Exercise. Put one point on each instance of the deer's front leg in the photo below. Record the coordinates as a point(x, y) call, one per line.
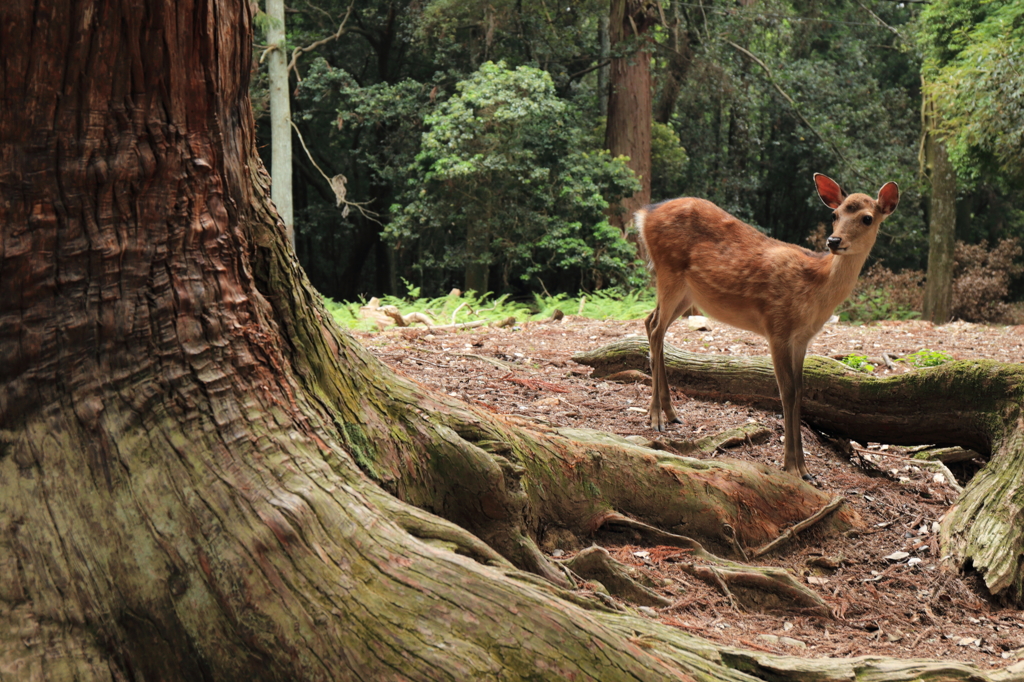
point(789, 366)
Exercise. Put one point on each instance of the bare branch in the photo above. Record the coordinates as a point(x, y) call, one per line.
point(309, 48)
point(792, 103)
point(359, 206)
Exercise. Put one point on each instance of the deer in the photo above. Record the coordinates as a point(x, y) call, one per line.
point(702, 256)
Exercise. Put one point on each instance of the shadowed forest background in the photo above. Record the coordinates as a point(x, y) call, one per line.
point(473, 138)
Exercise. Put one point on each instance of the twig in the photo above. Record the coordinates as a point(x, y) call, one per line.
point(793, 531)
point(725, 589)
point(534, 384)
point(368, 214)
point(879, 20)
point(730, 533)
point(929, 464)
point(483, 358)
point(461, 306)
point(337, 34)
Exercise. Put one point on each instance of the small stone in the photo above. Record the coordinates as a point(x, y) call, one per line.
point(792, 643)
point(698, 323)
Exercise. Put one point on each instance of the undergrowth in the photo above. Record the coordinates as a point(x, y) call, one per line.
point(460, 308)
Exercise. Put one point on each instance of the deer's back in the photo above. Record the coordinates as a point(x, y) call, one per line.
point(735, 273)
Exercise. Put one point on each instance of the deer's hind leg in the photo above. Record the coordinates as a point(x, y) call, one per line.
point(673, 299)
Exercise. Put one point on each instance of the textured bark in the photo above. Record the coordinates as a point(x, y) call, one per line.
point(972, 404)
point(628, 130)
point(938, 289)
point(185, 434)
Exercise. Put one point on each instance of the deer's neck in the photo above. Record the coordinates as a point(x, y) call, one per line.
point(842, 277)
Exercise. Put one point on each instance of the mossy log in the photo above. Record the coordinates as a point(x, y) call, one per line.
point(973, 404)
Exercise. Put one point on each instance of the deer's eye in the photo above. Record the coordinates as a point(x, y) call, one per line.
point(835, 216)
point(866, 220)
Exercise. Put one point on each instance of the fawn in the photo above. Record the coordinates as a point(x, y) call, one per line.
point(703, 256)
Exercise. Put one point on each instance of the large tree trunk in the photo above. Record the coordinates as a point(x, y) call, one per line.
point(974, 404)
point(628, 129)
point(186, 437)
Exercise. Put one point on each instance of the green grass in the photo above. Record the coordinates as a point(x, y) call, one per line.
point(610, 304)
point(927, 358)
point(858, 362)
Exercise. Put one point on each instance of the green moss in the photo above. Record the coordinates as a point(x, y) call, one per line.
point(361, 449)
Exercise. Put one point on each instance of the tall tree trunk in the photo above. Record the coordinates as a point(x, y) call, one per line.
point(628, 129)
point(186, 438)
point(679, 62)
point(938, 290)
point(603, 72)
point(280, 118)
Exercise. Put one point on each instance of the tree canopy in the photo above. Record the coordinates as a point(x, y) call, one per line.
point(747, 99)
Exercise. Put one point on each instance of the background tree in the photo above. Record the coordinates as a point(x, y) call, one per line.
point(501, 182)
point(748, 97)
point(280, 116)
point(628, 129)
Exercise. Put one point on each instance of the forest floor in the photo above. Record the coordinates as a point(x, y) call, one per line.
point(886, 604)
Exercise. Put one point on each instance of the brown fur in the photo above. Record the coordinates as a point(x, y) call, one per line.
point(703, 256)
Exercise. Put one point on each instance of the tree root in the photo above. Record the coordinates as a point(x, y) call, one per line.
point(594, 563)
point(758, 588)
point(795, 530)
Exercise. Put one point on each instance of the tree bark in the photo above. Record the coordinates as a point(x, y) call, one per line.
point(187, 440)
point(938, 290)
point(628, 129)
point(973, 404)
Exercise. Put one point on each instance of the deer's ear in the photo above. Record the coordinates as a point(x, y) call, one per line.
point(829, 190)
point(888, 197)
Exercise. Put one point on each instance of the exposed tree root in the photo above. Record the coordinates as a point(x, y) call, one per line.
point(760, 587)
point(975, 405)
point(594, 563)
point(793, 531)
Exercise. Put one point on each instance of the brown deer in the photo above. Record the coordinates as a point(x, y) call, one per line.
point(705, 257)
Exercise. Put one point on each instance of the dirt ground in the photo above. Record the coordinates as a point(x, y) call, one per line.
point(886, 604)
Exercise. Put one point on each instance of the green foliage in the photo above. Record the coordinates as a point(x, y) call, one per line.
point(927, 358)
point(974, 73)
point(608, 304)
point(668, 162)
point(501, 181)
point(858, 362)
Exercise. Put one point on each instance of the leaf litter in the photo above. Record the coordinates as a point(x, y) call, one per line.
point(884, 584)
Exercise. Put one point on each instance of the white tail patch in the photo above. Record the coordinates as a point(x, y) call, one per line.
point(639, 218)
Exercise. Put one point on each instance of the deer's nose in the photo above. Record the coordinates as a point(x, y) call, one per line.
point(834, 242)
